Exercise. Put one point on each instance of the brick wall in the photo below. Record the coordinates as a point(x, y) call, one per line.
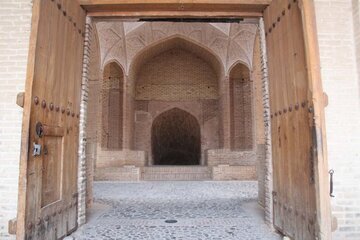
point(340, 81)
point(94, 87)
point(176, 75)
point(356, 24)
point(233, 158)
point(241, 112)
point(259, 125)
point(15, 17)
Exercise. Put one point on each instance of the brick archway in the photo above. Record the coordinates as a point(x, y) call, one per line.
point(176, 139)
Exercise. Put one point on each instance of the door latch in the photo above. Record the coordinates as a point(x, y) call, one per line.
point(331, 172)
point(36, 150)
point(39, 129)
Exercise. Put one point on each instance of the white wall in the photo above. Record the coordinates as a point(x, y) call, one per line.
point(15, 17)
point(340, 81)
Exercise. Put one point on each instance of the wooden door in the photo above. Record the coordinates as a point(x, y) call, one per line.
point(301, 196)
point(47, 207)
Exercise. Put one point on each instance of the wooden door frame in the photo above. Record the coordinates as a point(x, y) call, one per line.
point(174, 8)
point(137, 9)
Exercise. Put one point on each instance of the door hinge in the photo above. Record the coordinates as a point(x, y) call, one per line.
point(20, 99)
point(313, 154)
point(325, 99)
point(312, 164)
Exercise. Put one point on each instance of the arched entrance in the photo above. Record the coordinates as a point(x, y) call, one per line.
point(175, 139)
point(112, 107)
point(241, 112)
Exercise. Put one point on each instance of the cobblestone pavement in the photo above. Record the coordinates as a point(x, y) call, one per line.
point(202, 210)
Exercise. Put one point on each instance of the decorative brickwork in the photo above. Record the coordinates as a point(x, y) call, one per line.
point(259, 120)
point(124, 42)
point(267, 167)
point(83, 173)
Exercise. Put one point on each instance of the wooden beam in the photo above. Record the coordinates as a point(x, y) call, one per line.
point(174, 8)
point(321, 164)
point(168, 14)
point(222, 2)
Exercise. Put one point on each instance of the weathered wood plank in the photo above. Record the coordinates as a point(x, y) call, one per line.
point(323, 217)
point(300, 180)
point(47, 209)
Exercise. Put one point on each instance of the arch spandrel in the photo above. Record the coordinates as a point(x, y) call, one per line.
point(111, 37)
point(125, 43)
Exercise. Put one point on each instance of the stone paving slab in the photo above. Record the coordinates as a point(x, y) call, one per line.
point(203, 210)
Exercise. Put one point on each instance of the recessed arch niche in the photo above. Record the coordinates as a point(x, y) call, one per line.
point(176, 73)
point(176, 138)
point(241, 109)
point(112, 107)
point(176, 69)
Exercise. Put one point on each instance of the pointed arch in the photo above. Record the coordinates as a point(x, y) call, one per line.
point(176, 70)
point(176, 41)
point(237, 64)
point(114, 61)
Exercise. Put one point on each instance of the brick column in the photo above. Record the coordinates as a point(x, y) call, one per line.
point(82, 129)
point(128, 114)
point(268, 151)
point(224, 102)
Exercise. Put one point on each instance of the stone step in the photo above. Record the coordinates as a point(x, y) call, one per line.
point(176, 173)
point(126, 173)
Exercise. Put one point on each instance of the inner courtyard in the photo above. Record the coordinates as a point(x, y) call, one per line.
point(182, 101)
point(175, 101)
point(178, 109)
point(180, 210)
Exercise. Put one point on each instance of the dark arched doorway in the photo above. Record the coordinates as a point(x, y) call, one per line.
point(175, 139)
